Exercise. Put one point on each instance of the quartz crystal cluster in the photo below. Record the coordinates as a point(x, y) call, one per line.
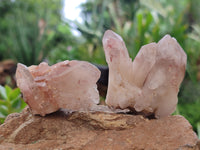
point(68, 84)
point(150, 83)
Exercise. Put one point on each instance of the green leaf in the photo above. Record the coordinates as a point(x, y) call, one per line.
point(2, 115)
point(139, 23)
point(14, 94)
point(4, 110)
point(2, 120)
point(3, 102)
point(16, 104)
point(3, 92)
point(149, 19)
point(23, 104)
point(8, 90)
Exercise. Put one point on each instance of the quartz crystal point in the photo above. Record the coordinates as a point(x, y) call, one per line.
point(150, 83)
point(69, 84)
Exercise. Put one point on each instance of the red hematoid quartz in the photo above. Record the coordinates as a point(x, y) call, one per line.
point(150, 83)
point(68, 84)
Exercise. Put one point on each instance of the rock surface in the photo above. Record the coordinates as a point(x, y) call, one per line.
point(95, 130)
point(68, 84)
point(150, 83)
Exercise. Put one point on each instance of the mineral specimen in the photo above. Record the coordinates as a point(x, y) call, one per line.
point(150, 83)
point(69, 84)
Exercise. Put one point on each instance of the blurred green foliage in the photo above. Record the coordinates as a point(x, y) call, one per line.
point(10, 101)
point(30, 29)
point(191, 112)
point(198, 129)
point(63, 45)
point(138, 22)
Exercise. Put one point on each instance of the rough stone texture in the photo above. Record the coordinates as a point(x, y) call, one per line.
point(68, 84)
point(198, 144)
point(95, 130)
point(150, 83)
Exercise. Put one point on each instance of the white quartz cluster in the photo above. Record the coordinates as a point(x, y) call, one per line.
point(150, 83)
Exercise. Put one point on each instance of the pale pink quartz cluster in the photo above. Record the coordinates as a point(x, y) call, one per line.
point(68, 84)
point(150, 83)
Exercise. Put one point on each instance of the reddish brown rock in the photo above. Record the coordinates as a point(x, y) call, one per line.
point(96, 130)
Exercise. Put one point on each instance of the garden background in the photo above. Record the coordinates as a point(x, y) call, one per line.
point(32, 31)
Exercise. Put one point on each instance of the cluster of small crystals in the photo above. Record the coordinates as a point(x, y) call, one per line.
point(150, 83)
point(68, 84)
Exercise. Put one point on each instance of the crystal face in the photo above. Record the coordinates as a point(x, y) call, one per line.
point(68, 84)
point(150, 83)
